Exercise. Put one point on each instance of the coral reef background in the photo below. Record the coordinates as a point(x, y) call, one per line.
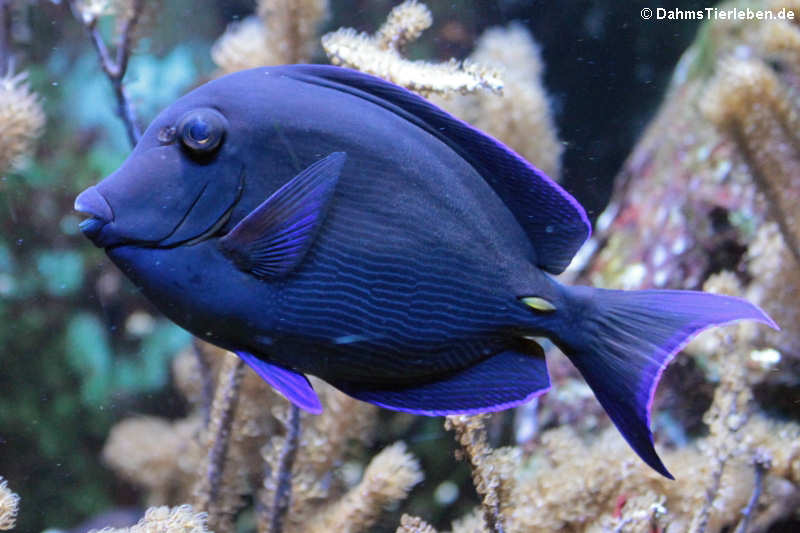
point(106, 409)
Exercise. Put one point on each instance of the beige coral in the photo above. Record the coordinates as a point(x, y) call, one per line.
point(91, 10)
point(165, 457)
point(729, 412)
point(292, 26)
point(136, 15)
point(637, 514)
point(9, 506)
point(181, 519)
point(324, 441)
point(471, 523)
point(213, 493)
point(381, 56)
point(21, 119)
point(169, 458)
point(414, 524)
point(146, 451)
point(777, 290)
point(493, 471)
point(520, 116)
point(582, 486)
point(283, 31)
point(405, 24)
point(600, 485)
point(244, 45)
point(388, 478)
point(747, 100)
point(252, 423)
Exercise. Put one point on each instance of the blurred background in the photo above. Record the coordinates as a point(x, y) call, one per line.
point(80, 349)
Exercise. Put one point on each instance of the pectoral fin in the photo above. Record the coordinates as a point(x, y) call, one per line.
point(295, 387)
point(272, 240)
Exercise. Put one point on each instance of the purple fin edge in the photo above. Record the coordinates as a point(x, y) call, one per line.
point(509, 378)
point(293, 386)
point(474, 411)
point(502, 146)
point(627, 338)
point(680, 342)
point(571, 199)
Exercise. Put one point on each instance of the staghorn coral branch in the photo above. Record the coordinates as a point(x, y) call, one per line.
point(779, 505)
point(414, 524)
point(115, 68)
point(325, 439)
point(283, 473)
point(291, 26)
point(165, 519)
point(519, 117)
point(21, 120)
point(380, 55)
point(704, 513)
point(725, 417)
point(9, 505)
point(206, 378)
point(761, 465)
point(404, 24)
point(219, 431)
point(388, 479)
point(283, 31)
point(471, 436)
point(729, 411)
point(747, 101)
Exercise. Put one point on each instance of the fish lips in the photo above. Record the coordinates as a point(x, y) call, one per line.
point(91, 202)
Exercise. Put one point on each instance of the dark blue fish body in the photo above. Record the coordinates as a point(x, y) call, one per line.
point(319, 221)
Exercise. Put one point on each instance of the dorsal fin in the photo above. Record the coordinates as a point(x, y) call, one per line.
point(554, 221)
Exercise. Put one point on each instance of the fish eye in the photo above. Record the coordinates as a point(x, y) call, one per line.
point(202, 130)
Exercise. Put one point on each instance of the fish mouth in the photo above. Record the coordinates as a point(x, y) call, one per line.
point(210, 232)
point(91, 202)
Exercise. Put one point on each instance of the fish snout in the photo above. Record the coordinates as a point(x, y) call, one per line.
point(92, 203)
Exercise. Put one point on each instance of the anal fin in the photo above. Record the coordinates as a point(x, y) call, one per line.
point(295, 387)
point(502, 381)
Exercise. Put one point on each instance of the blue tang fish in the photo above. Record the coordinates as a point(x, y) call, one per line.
point(317, 220)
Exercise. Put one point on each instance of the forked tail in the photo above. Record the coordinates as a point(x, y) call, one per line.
point(621, 341)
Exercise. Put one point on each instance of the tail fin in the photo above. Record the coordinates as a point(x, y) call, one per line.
point(621, 341)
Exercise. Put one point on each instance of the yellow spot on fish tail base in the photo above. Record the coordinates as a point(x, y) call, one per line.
point(538, 304)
